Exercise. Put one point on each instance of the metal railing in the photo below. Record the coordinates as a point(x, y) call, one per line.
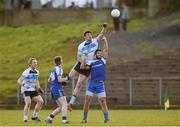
point(158, 87)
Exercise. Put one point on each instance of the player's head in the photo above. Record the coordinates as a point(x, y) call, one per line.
point(98, 54)
point(32, 62)
point(58, 60)
point(88, 36)
point(124, 4)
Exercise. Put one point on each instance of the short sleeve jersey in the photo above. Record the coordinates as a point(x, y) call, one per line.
point(88, 48)
point(30, 79)
point(57, 71)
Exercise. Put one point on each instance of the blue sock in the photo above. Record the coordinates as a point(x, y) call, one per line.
point(64, 118)
point(85, 115)
point(106, 116)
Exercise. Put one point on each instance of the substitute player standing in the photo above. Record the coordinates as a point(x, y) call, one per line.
point(30, 89)
point(85, 53)
point(57, 92)
point(96, 82)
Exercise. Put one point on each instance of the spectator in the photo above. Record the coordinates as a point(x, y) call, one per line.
point(125, 12)
point(116, 21)
point(72, 5)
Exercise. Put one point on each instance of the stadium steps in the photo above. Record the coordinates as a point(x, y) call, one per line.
point(145, 92)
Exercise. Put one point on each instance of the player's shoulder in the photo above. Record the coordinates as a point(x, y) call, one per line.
point(26, 70)
point(36, 71)
point(103, 60)
point(82, 44)
point(57, 68)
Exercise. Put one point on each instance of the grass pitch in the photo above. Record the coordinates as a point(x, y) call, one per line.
point(117, 118)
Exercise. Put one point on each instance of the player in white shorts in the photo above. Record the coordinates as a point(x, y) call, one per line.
point(85, 53)
point(30, 89)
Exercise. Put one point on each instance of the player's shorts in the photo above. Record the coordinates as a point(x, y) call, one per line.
point(57, 93)
point(84, 72)
point(96, 87)
point(30, 93)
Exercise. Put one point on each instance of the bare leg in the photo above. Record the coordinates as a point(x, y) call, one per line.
point(104, 108)
point(73, 73)
point(27, 106)
point(63, 103)
point(54, 113)
point(80, 83)
point(39, 103)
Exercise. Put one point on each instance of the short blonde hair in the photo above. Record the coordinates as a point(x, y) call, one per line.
point(30, 60)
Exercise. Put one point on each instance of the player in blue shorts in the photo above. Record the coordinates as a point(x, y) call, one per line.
point(57, 81)
point(96, 82)
point(85, 53)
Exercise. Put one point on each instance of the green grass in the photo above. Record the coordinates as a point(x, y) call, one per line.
point(117, 118)
point(18, 44)
point(44, 41)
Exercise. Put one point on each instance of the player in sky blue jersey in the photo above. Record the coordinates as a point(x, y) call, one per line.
point(96, 82)
point(30, 89)
point(57, 80)
point(85, 53)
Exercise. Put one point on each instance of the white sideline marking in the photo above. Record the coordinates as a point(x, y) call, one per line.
point(89, 126)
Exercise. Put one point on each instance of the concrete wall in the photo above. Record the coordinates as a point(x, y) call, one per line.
point(18, 17)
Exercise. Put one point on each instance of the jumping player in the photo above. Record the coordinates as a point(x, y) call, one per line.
point(85, 53)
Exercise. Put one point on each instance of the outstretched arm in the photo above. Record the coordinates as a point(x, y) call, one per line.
point(105, 47)
point(103, 31)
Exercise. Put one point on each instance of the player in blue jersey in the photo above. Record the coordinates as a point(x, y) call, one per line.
point(96, 82)
point(30, 89)
point(85, 53)
point(57, 81)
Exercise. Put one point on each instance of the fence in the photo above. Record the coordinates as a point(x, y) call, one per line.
point(142, 91)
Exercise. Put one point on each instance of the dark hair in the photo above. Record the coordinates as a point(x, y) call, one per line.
point(86, 33)
point(57, 60)
point(97, 51)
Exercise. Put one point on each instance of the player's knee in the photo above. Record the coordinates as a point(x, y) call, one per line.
point(64, 105)
point(28, 104)
point(40, 102)
point(103, 101)
point(87, 101)
point(79, 85)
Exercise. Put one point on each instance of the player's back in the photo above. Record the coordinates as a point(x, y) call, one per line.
point(57, 71)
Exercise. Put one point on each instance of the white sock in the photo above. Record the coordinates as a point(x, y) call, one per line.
point(35, 114)
point(50, 118)
point(25, 118)
point(73, 99)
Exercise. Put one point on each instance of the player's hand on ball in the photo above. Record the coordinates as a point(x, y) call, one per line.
point(104, 25)
point(87, 67)
point(82, 66)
